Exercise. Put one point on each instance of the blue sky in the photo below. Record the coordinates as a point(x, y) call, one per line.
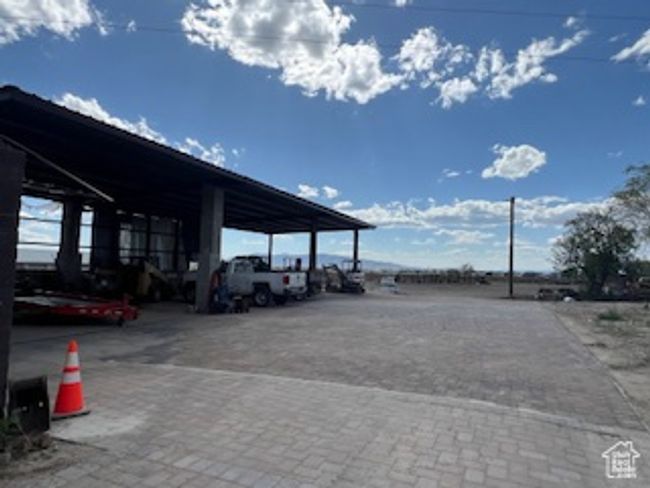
point(421, 121)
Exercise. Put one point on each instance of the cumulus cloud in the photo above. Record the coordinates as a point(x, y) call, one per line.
point(306, 191)
point(473, 214)
point(64, 18)
point(456, 90)
point(431, 60)
point(428, 57)
point(330, 193)
point(91, 107)
point(462, 236)
point(640, 50)
point(639, 101)
point(213, 154)
point(515, 162)
point(402, 3)
point(342, 205)
point(303, 40)
point(504, 77)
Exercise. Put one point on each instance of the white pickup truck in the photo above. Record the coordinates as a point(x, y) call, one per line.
point(252, 276)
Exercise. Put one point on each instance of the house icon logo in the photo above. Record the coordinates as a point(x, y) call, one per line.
point(621, 460)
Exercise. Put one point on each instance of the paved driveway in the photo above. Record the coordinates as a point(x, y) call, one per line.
point(511, 353)
point(377, 390)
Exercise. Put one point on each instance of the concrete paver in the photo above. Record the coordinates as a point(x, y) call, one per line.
point(192, 427)
point(374, 391)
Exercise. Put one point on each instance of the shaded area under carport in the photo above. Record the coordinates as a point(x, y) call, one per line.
point(51, 152)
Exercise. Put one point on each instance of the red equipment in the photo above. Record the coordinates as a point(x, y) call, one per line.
point(72, 305)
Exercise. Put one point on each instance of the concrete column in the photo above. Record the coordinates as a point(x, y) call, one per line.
point(68, 260)
point(13, 169)
point(271, 251)
point(355, 251)
point(212, 209)
point(313, 249)
point(105, 252)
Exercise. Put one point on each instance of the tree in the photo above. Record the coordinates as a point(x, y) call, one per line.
point(594, 247)
point(634, 199)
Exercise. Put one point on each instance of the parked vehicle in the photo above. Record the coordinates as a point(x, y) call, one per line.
point(251, 276)
point(350, 279)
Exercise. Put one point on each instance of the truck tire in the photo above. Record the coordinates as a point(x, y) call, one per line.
point(280, 299)
point(262, 296)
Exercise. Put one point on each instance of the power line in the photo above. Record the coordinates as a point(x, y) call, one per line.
point(305, 40)
point(488, 11)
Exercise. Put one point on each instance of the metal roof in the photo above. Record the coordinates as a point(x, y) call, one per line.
point(144, 176)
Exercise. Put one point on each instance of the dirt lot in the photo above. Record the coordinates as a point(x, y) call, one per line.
point(619, 335)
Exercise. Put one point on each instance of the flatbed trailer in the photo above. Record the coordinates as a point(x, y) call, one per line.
point(63, 305)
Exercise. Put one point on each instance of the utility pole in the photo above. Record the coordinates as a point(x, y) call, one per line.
point(511, 260)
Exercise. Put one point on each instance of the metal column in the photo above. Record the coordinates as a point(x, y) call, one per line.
point(270, 251)
point(13, 166)
point(355, 251)
point(68, 259)
point(212, 210)
point(313, 249)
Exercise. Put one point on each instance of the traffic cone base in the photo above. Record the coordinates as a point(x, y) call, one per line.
point(70, 399)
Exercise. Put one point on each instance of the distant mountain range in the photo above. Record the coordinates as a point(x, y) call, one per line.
point(367, 264)
point(48, 256)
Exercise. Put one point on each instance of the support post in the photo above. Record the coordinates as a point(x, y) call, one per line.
point(355, 251)
point(105, 252)
point(13, 166)
point(147, 238)
point(212, 209)
point(270, 251)
point(68, 260)
point(313, 248)
point(511, 259)
point(177, 242)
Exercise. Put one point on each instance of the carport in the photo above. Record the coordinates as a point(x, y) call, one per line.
point(51, 152)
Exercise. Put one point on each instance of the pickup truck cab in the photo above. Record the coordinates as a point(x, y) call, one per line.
point(251, 276)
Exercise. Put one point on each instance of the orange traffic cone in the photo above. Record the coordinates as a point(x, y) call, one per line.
point(70, 398)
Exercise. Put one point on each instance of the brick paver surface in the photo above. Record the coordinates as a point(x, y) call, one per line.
point(374, 391)
point(166, 426)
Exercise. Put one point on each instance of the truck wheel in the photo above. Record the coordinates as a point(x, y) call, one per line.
point(262, 297)
point(280, 299)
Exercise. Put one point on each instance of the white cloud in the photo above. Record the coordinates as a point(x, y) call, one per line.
point(515, 162)
point(306, 191)
point(213, 154)
point(301, 39)
point(456, 90)
point(342, 205)
point(462, 236)
point(132, 26)
point(91, 107)
point(430, 59)
point(504, 77)
point(402, 3)
point(639, 101)
point(20, 18)
point(450, 173)
point(544, 211)
point(573, 22)
point(639, 50)
point(615, 154)
point(330, 193)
